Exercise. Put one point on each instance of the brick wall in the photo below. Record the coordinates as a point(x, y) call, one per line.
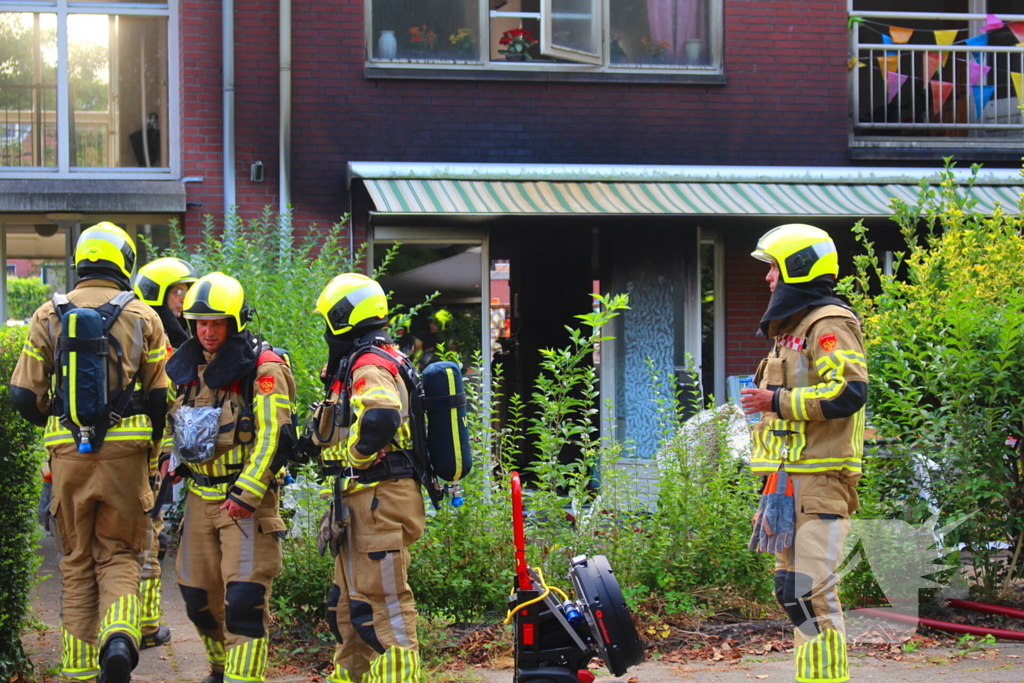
point(784, 104)
point(746, 298)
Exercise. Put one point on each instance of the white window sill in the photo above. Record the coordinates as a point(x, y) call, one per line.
point(541, 71)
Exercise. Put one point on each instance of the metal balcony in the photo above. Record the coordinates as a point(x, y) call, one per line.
point(968, 107)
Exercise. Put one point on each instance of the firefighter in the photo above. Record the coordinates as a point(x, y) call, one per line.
point(811, 392)
point(100, 497)
point(161, 284)
point(229, 430)
point(370, 606)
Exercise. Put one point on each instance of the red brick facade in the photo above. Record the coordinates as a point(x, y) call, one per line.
point(784, 104)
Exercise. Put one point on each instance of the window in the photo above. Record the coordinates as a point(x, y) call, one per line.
point(602, 35)
point(86, 87)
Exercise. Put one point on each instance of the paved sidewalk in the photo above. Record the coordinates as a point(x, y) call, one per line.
point(183, 659)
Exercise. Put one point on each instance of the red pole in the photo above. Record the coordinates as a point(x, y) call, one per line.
point(519, 536)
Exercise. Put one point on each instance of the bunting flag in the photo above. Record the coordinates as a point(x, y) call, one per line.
point(940, 93)
point(887, 64)
point(932, 61)
point(982, 94)
point(887, 39)
point(854, 62)
point(901, 35)
point(1018, 30)
point(895, 81)
point(977, 40)
point(945, 38)
point(992, 22)
point(976, 73)
point(1018, 87)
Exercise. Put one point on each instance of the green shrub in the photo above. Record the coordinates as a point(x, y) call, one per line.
point(25, 295)
point(19, 490)
point(945, 344)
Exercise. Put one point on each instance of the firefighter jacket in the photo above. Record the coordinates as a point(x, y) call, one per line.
point(819, 374)
point(141, 335)
point(378, 416)
point(246, 459)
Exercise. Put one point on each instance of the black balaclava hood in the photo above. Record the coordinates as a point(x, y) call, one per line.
point(788, 299)
point(340, 345)
point(94, 272)
point(176, 332)
point(233, 362)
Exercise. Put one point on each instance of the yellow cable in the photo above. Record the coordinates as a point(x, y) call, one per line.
point(546, 593)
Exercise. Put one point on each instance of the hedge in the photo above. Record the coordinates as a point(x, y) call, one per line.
point(20, 457)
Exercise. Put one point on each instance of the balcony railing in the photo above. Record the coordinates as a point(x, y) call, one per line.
point(925, 95)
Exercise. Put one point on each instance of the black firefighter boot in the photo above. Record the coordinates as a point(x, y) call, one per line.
point(117, 659)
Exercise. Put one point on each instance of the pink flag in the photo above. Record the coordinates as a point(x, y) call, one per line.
point(992, 22)
point(976, 73)
point(932, 61)
point(940, 93)
point(895, 82)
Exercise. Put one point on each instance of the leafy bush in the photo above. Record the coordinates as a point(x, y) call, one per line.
point(25, 295)
point(945, 342)
point(688, 548)
point(301, 587)
point(19, 489)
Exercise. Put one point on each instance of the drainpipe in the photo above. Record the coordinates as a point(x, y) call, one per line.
point(285, 132)
point(228, 57)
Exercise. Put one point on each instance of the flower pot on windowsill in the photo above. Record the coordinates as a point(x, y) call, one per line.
point(515, 57)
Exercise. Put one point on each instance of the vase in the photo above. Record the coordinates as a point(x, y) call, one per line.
point(515, 57)
point(693, 46)
point(387, 45)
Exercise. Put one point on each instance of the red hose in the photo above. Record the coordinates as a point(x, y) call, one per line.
point(987, 608)
point(1002, 634)
point(519, 536)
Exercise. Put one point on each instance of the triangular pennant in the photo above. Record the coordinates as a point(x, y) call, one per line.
point(992, 22)
point(976, 73)
point(982, 94)
point(888, 41)
point(894, 82)
point(901, 35)
point(945, 38)
point(854, 62)
point(940, 93)
point(932, 60)
point(1018, 30)
point(1018, 87)
point(886, 64)
point(977, 40)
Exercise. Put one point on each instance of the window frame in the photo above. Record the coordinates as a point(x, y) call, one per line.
point(484, 68)
point(62, 8)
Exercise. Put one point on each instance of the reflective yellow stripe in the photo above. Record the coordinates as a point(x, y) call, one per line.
point(267, 409)
point(823, 659)
point(72, 373)
point(455, 426)
point(156, 355)
point(246, 663)
point(31, 352)
point(214, 650)
point(122, 617)
point(150, 591)
point(136, 427)
point(79, 659)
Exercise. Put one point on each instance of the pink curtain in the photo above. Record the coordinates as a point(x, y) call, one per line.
point(676, 21)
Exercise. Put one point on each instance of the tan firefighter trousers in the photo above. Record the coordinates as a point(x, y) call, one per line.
point(370, 606)
point(226, 567)
point(149, 584)
point(100, 506)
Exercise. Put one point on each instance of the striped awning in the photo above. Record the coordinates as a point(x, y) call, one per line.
point(491, 197)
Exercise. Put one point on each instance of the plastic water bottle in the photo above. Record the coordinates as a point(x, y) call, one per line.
point(456, 493)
